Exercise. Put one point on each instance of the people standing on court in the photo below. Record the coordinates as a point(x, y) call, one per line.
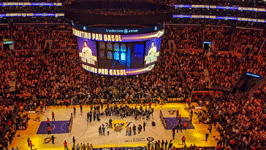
point(53, 116)
point(165, 145)
point(134, 129)
point(207, 135)
point(91, 107)
point(74, 140)
point(28, 140)
point(88, 116)
point(65, 145)
point(103, 131)
point(162, 144)
point(127, 131)
point(149, 145)
point(52, 138)
point(80, 109)
point(30, 145)
point(139, 129)
point(94, 116)
point(185, 125)
point(100, 130)
point(183, 140)
point(77, 147)
point(48, 121)
point(170, 145)
point(74, 111)
point(110, 122)
point(191, 115)
point(173, 133)
point(107, 131)
point(49, 130)
point(144, 125)
point(177, 113)
point(179, 121)
point(152, 145)
point(181, 127)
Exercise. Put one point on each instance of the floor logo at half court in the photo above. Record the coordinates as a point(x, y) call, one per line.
point(172, 112)
point(123, 124)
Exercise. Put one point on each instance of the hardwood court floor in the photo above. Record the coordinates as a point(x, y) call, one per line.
point(88, 132)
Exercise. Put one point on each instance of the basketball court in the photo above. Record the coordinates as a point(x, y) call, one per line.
point(86, 132)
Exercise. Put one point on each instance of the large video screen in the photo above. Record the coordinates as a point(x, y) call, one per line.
point(119, 55)
point(152, 51)
point(87, 51)
point(118, 58)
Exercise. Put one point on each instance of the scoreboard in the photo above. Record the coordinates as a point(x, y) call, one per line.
point(118, 54)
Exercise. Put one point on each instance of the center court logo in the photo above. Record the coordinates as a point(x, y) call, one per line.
point(172, 112)
point(123, 124)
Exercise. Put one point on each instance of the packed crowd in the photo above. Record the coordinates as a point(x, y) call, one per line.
point(219, 66)
point(219, 35)
point(35, 37)
point(244, 37)
point(57, 76)
point(244, 118)
point(222, 69)
point(4, 32)
point(187, 37)
point(192, 66)
point(263, 50)
point(255, 64)
point(13, 116)
point(33, 19)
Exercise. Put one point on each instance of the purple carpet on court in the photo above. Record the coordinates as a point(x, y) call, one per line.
point(57, 127)
point(171, 122)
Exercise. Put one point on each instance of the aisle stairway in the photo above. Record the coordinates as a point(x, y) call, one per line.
point(13, 82)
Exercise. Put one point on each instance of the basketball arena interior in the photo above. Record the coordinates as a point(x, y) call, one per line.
point(132, 75)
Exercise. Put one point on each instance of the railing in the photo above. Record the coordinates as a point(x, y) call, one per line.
point(251, 92)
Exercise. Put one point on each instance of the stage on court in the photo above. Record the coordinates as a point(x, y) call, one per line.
point(86, 132)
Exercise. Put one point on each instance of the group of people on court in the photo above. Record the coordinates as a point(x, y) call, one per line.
point(48, 123)
point(158, 145)
point(125, 111)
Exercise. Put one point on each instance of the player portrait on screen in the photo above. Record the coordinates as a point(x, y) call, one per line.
point(86, 54)
point(152, 50)
point(152, 54)
point(86, 50)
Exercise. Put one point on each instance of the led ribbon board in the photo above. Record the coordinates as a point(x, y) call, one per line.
point(220, 18)
point(222, 7)
point(117, 37)
point(32, 15)
point(117, 72)
point(29, 4)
